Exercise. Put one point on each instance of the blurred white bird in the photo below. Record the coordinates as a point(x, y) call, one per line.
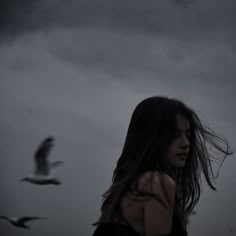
point(43, 166)
point(21, 221)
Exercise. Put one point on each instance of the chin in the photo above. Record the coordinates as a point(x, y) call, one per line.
point(179, 164)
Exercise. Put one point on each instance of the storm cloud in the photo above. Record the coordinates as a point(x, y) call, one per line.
point(189, 19)
point(76, 70)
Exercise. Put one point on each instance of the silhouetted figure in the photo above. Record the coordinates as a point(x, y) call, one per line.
point(43, 166)
point(157, 180)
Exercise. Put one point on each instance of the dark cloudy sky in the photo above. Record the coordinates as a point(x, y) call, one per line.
point(76, 69)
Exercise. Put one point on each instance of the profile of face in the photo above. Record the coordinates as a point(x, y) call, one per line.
point(178, 150)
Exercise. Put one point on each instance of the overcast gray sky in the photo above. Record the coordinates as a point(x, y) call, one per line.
point(76, 69)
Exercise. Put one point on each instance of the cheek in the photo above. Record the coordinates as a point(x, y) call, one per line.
point(172, 147)
point(170, 152)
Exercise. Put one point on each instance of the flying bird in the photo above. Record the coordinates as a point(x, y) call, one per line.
point(43, 167)
point(21, 221)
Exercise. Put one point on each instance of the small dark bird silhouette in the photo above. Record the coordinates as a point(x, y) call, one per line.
point(21, 221)
point(43, 166)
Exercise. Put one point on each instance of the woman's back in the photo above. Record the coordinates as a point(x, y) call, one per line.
point(116, 229)
point(133, 208)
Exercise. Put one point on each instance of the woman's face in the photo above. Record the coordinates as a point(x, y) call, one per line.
point(178, 150)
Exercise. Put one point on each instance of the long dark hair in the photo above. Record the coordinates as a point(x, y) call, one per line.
point(151, 131)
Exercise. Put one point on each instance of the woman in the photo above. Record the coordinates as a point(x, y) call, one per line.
point(156, 183)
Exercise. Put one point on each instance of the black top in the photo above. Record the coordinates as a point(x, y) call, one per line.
point(114, 229)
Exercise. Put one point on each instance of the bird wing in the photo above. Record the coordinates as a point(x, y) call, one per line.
point(41, 156)
point(4, 218)
point(25, 219)
point(56, 164)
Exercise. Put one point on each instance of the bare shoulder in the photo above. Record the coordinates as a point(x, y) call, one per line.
point(167, 180)
point(152, 181)
point(158, 210)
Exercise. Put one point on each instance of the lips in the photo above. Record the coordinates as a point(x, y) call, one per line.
point(182, 155)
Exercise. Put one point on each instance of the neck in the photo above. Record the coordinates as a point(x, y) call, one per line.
point(173, 172)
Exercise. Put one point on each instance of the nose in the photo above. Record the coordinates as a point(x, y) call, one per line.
point(184, 142)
